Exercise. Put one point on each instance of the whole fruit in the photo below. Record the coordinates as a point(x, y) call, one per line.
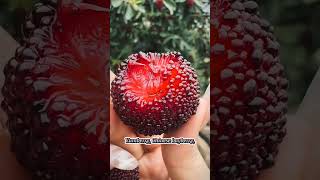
point(248, 95)
point(155, 92)
point(55, 92)
point(159, 4)
point(190, 3)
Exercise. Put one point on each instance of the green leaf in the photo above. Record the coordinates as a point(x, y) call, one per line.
point(139, 8)
point(171, 5)
point(199, 3)
point(129, 13)
point(116, 3)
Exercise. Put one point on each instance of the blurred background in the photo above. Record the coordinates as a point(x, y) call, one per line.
point(165, 25)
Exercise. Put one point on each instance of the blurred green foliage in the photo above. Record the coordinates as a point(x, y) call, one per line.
point(151, 26)
point(137, 25)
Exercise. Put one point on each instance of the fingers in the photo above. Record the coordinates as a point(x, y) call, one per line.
point(9, 167)
point(151, 147)
point(152, 166)
point(184, 162)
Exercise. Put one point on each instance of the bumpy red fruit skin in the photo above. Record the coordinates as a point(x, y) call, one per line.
point(248, 95)
point(118, 174)
point(55, 93)
point(155, 92)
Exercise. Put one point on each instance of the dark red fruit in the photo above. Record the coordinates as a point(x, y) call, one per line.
point(248, 95)
point(55, 92)
point(159, 4)
point(190, 3)
point(155, 92)
point(118, 174)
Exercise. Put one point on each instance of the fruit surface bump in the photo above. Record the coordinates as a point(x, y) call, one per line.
point(155, 92)
point(248, 92)
point(56, 92)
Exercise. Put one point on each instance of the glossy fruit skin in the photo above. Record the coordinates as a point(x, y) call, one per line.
point(155, 93)
point(248, 95)
point(118, 174)
point(56, 107)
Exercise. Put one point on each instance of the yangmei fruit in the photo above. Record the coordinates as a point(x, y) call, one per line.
point(190, 3)
point(159, 4)
point(56, 92)
point(248, 95)
point(155, 92)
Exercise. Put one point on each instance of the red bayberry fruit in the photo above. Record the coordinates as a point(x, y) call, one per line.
point(159, 4)
point(155, 92)
point(118, 174)
point(190, 3)
point(55, 92)
point(249, 98)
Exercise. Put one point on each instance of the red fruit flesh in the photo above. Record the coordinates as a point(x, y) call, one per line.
point(56, 92)
point(248, 95)
point(155, 92)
